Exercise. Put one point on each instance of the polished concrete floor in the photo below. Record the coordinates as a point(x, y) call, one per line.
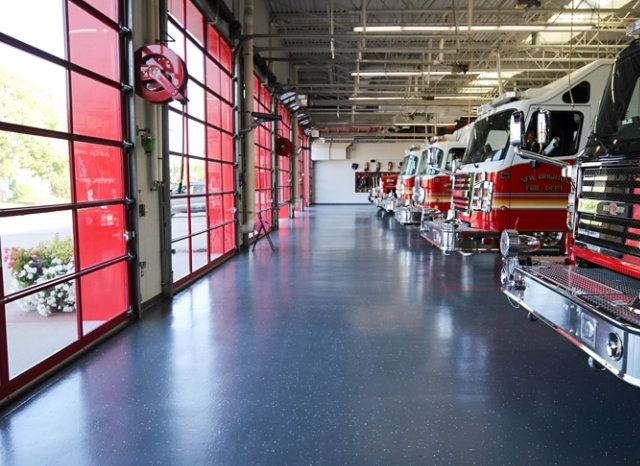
point(354, 343)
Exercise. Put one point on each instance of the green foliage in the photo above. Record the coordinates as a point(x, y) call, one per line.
point(22, 193)
point(60, 184)
point(24, 103)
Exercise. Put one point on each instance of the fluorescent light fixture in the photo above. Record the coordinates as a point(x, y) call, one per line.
point(365, 74)
point(401, 73)
point(379, 98)
point(494, 75)
point(476, 90)
point(459, 97)
point(484, 82)
point(480, 28)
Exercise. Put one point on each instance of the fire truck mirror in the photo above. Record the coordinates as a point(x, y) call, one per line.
point(431, 160)
point(543, 123)
point(455, 165)
point(516, 128)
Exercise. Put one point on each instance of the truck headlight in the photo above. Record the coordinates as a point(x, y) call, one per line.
point(513, 243)
point(418, 195)
point(482, 197)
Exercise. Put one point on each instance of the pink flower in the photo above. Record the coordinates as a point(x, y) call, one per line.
point(14, 255)
point(11, 264)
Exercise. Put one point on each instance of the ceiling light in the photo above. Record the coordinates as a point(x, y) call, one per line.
point(484, 82)
point(480, 28)
point(476, 90)
point(402, 73)
point(378, 98)
point(459, 97)
point(493, 75)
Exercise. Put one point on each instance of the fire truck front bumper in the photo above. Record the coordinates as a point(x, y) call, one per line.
point(389, 204)
point(429, 214)
point(452, 236)
point(596, 309)
point(408, 215)
point(378, 202)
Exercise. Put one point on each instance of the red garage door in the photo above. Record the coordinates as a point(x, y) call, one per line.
point(201, 147)
point(63, 214)
point(263, 164)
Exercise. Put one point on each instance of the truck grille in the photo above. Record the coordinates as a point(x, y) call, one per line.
point(608, 291)
point(606, 214)
point(462, 187)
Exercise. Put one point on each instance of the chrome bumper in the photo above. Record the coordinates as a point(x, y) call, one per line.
point(595, 309)
point(429, 214)
point(408, 215)
point(378, 202)
point(450, 237)
point(389, 204)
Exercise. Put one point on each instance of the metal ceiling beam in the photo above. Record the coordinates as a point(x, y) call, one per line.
point(310, 63)
point(372, 12)
point(405, 50)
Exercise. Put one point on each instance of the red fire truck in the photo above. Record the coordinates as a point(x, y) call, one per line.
point(406, 180)
point(496, 189)
point(386, 187)
point(592, 296)
point(431, 184)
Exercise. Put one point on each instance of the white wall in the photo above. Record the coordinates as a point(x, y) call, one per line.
point(334, 180)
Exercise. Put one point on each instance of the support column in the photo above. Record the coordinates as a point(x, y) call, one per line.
point(249, 166)
point(294, 155)
point(294, 169)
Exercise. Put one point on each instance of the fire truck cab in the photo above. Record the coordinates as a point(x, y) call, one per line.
point(592, 296)
point(386, 187)
point(433, 185)
point(435, 181)
point(406, 180)
point(496, 189)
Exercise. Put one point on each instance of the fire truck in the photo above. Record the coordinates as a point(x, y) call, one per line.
point(386, 187)
point(406, 180)
point(433, 184)
point(591, 295)
point(496, 189)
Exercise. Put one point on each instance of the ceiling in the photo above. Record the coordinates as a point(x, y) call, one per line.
point(415, 65)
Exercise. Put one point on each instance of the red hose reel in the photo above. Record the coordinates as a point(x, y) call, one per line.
point(161, 74)
point(284, 146)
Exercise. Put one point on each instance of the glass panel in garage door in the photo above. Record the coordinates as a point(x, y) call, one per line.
point(201, 147)
point(263, 163)
point(284, 165)
point(63, 213)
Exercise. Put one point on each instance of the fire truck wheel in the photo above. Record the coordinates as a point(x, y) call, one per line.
point(595, 365)
point(531, 316)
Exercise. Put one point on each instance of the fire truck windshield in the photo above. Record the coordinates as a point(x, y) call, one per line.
point(489, 139)
point(619, 115)
point(410, 165)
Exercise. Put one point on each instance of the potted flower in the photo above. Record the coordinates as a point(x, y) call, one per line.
point(31, 266)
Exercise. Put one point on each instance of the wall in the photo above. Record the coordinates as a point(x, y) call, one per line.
point(334, 180)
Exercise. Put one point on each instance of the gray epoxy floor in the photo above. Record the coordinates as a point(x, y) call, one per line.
point(354, 343)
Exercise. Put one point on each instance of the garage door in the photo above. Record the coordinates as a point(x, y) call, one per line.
point(63, 209)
